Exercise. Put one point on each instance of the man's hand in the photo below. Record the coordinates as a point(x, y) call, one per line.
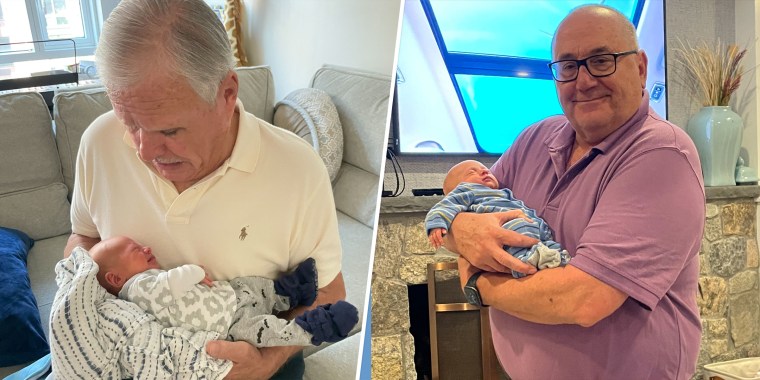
point(249, 362)
point(480, 239)
point(513, 214)
point(76, 240)
point(436, 237)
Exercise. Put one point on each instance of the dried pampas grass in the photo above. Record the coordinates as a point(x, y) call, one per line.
point(713, 73)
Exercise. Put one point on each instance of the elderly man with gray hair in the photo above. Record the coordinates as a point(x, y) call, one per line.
point(179, 165)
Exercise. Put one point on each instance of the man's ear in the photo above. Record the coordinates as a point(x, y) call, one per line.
point(643, 64)
point(229, 88)
point(114, 279)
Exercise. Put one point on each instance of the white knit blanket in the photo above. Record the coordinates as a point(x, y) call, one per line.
point(96, 335)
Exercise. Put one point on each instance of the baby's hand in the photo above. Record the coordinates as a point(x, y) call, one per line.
point(207, 279)
point(436, 237)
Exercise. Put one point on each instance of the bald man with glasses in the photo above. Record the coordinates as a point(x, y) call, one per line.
point(622, 188)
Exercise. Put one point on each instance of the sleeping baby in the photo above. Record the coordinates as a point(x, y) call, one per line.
point(240, 309)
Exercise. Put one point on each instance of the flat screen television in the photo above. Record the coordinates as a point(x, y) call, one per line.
point(473, 74)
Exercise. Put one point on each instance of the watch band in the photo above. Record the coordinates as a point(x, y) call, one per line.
point(472, 281)
point(471, 291)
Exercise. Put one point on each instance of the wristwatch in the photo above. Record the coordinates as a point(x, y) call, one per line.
point(471, 291)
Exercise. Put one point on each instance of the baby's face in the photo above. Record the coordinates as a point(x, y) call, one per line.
point(130, 258)
point(474, 172)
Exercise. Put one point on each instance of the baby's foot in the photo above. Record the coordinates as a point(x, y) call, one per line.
point(300, 285)
point(329, 323)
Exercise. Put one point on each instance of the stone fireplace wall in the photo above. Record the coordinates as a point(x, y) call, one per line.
point(402, 253)
point(729, 296)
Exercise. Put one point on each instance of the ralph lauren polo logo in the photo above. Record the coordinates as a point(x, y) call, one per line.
point(243, 233)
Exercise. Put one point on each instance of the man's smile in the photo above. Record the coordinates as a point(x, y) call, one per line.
point(591, 99)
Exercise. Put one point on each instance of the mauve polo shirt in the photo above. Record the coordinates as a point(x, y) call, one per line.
point(631, 213)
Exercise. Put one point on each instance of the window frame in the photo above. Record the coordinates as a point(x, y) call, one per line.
point(490, 65)
point(57, 48)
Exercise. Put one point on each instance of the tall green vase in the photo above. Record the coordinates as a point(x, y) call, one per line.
point(717, 133)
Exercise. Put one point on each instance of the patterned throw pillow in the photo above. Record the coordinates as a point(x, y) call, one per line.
point(311, 114)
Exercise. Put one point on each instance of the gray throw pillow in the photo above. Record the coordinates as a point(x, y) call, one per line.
point(40, 212)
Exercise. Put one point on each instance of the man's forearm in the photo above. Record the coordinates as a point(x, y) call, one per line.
point(331, 293)
point(564, 295)
point(280, 354)
point(76, 240)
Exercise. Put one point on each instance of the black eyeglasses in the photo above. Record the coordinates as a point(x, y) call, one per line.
point(600, 65)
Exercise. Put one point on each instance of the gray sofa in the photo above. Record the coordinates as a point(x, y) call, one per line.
point(39, 161)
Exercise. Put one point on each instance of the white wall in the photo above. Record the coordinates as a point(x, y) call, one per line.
point(746, 100)
point(747, 32)
point(296, 37)
point(426, 95)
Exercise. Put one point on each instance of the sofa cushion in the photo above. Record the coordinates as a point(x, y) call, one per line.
point(42, 212)
point(338, 361)
point(311, 114)
point(32, 195)
point(28, 156)
point(356, 241)
point(362, 102)
point(355, 193)
point(20, 325)
point(74, 111)
point(256, 91)
point(41, 265)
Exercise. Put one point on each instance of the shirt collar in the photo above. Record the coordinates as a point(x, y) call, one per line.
point(245, 153)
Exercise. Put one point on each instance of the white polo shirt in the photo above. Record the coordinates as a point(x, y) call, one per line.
point(266, 209)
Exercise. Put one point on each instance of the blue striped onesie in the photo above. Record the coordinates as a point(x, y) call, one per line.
point(479, 198)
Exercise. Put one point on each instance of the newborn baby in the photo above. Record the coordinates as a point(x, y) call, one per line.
point(470, 186)
point(240, 309)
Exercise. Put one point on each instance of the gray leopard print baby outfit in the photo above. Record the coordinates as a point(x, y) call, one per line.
point(240, 309)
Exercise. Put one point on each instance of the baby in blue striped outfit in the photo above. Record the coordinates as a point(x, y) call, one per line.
point(470, 186)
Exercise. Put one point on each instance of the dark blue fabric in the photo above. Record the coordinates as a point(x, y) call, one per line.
point(21, 336)
point(300, 286)
point(329, 322)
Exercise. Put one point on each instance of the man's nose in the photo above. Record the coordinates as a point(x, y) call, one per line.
point(585, 79)
point(150, 145)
